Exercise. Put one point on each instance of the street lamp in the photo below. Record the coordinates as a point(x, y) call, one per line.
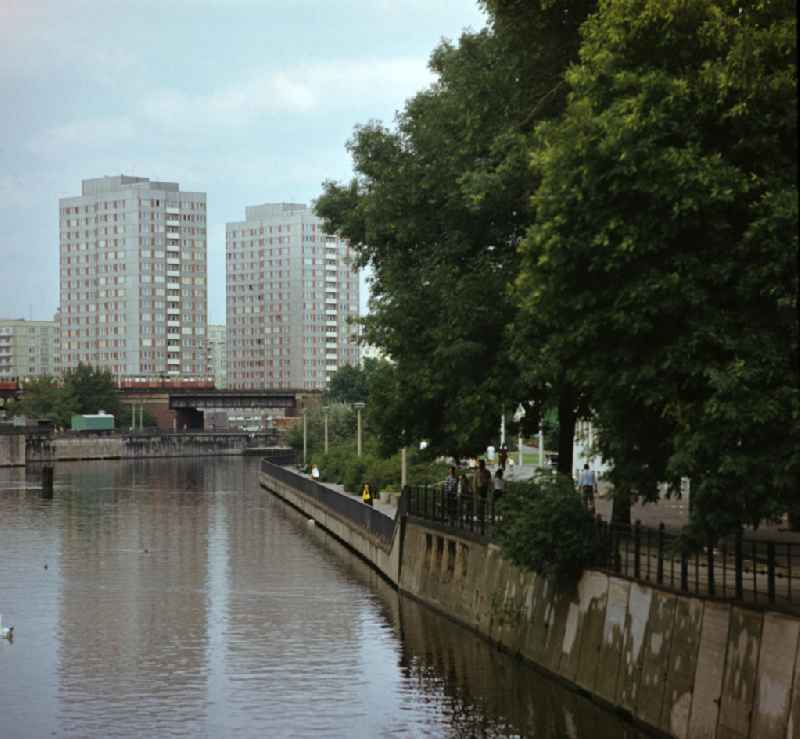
point(325, 411)
point(541, 446)
point(358, 407)
point(305, 438)
point(403, 464)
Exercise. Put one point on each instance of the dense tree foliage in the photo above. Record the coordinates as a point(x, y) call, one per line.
point(351, 384)
point(44, 398)
point(93, 388)
point(544, 526)
point(437, 208)
point(631, 169)
point(84, 389)
point(662, 264)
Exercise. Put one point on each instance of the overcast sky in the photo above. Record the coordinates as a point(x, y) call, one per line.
point(250, 101)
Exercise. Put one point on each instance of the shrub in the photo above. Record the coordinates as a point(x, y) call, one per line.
point(545, 527)
point(341, 465)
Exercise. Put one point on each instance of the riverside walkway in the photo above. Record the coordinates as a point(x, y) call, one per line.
point(386, 508)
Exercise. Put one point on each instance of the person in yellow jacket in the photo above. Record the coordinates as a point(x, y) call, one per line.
point(366, 494)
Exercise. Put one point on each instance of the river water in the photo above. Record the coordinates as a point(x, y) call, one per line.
point(176, 598)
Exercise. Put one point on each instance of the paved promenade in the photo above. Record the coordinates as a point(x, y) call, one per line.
point(386, 508)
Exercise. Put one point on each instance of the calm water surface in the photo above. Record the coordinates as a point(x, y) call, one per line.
point(176, 598)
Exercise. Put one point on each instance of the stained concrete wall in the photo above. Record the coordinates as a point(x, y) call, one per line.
point(686, 666)
point(53, 448)
point(12, 450)
point(689, 667)
point(385, 558)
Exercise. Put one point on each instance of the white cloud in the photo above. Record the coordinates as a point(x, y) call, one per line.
point(296, 90)
point(90, 133)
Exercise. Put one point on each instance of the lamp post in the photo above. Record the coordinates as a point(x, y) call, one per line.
point(325, 417)
point(305, 438)
point(358, 407)
point(541, 447)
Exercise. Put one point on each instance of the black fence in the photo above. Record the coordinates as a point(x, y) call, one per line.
point(470, 513)
point(280, 455)
point(347, 506)
point(742, 568)
point(748, 569)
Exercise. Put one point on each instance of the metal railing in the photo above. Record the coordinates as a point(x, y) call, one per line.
point(747, 569)
point(469, 513)
point(280, 455)
point(374, 521)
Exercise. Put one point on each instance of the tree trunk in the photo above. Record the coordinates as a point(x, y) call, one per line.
point(621, 507)
point(567, 416)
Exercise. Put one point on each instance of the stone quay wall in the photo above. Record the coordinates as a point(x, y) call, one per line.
point(685, 666)
point(12, 449)
point(52, 447)
point(385, 559)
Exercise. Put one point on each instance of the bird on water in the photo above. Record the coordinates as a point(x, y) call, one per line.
point(6, 632)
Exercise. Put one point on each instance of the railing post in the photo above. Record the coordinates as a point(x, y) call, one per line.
point(771, 571)
point(710, 563)
point(660, 565)
point(613, 546)
point(637, 549)
point(684, 568)
point(738, 565)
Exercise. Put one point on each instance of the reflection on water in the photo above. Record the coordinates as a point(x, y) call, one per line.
point(176, 597)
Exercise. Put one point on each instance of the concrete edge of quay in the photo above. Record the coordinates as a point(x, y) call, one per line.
point(20, 448)
point(674, 664)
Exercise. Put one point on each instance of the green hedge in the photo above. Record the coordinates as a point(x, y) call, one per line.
point(545, 527)
point(341, 465)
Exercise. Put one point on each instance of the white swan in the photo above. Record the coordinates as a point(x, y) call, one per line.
point(6, 632)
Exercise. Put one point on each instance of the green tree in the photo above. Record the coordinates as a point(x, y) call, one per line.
point(351, 384)
point(661, 266)
point(544, 526)
point(44, 397)
point(436, 209)
point(93, 389)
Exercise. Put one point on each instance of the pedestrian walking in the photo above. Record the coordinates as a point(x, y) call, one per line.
point(450, 492)
point(499, 484)
point(588, 485)
point(483, 480)
point(314, 472)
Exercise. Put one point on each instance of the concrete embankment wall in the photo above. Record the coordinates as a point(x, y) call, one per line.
point(689, 667)
point(12, 450)
point(386, 559)
point(54, 448)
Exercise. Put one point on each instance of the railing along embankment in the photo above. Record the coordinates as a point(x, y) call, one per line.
point(368, 531)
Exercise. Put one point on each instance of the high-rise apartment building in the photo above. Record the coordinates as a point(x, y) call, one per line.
point(28, 348)
point(290, 291)
point(217, 360)
point(133, 277)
